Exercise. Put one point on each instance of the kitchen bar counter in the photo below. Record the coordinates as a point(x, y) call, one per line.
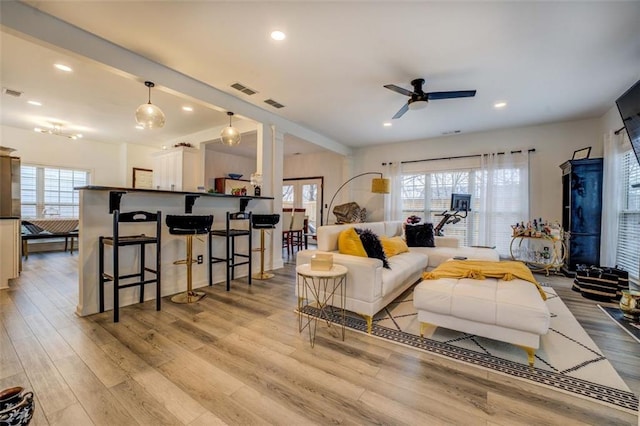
point(96, 203)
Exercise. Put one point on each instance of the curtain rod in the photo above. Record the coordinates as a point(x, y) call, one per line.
point(458, 156)
point(617, 132)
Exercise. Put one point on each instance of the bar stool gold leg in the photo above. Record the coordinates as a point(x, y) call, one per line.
point(262, 275)
point(189, 296)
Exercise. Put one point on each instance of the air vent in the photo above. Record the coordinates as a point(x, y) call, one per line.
point(244, 89)
point(451, 132)
point(274, 103)
point(11, 92)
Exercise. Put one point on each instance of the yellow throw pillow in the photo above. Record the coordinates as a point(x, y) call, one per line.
point(349, 243)
point(393, 245)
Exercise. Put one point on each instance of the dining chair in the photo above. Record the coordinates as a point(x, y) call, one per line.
point(296, 234)
point(287, 219)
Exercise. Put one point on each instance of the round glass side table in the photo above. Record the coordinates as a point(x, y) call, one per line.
point(318, 292)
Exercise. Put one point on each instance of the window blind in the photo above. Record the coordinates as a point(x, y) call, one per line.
point(48, 191)
point(628, 252)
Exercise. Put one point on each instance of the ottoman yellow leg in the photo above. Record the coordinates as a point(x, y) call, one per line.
point(531, 354)
point(423, 326)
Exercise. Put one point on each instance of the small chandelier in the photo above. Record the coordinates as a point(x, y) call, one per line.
point(230, 135)
point(56, 129)
point(148, 115)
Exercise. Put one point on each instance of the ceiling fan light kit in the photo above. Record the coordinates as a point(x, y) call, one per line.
point(418, 99)
point(230, 135)
point(148, 115)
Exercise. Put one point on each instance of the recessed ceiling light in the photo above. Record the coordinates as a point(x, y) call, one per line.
point(36, 103)
point(79, 135)
point(63, 67)
point(139, 127)
point(187, 108)
point(37, 129)
point(278, 35)
point(500, 104)
point(387, 124)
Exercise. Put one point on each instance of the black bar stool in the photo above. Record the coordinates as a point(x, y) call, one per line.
point(140, 240)
point(263, 222)
point(230, 234)
point(188, 225)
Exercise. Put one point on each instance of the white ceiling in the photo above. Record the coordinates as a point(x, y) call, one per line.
point(550, 61)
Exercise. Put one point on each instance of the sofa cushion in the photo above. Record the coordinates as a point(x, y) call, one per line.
point(393, 246)
point(419, 235)
point(437, 255)
point(406, 268)
point(328, 234)
point(372, 245)
point(349, 243)
point(514, 304)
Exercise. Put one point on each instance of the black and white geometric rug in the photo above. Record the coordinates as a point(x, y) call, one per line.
point(567, 358)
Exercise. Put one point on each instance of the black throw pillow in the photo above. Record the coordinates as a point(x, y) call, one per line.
point(420, 235)
point(372, 245)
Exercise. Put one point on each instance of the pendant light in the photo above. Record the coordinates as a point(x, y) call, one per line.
point(148, 115)
point(230, 135)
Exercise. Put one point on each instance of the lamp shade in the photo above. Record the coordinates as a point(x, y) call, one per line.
point(230, 135)
point(150, 116)
point(380, 186)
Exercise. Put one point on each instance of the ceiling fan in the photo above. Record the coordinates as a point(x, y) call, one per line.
point(418, 99)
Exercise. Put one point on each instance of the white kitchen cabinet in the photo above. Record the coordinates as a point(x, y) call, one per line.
point(177, 169)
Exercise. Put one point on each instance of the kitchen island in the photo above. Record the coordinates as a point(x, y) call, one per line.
point(96, 204)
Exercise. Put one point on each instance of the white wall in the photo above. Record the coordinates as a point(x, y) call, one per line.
point(611, 120)
point(218, 164)
point(138, 156)
point(554, 144)
point(103, 160)
point(327, 164)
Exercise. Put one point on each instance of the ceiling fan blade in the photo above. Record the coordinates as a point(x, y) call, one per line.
point(398, 89)
point(401, 112)
point(450, 95)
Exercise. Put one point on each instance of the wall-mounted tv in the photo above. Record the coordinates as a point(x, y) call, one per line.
point(629, 108)
point(461, 202)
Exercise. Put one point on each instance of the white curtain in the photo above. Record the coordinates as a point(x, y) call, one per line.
point(393, 210)
point(612, 200)
point(504, 197)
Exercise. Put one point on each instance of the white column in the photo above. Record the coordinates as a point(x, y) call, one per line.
point(277, 141)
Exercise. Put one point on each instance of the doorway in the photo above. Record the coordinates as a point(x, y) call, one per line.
point(305, 193)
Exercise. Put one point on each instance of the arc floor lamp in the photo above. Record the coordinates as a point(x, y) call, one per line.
point(379, 185)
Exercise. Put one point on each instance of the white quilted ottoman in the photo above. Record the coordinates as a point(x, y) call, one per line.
point(509, 311)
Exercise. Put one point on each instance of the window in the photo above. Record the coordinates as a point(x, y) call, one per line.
point(429, 195)
point(48, 191)
point(628, 251)
point(498, 185)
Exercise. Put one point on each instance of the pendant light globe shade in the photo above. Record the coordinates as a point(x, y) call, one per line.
point(148, 115)
point(230, 135)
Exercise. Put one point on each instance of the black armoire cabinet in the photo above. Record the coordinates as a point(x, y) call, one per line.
point(582, 211)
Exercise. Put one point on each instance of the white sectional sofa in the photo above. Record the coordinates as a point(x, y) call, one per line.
point(370, 287)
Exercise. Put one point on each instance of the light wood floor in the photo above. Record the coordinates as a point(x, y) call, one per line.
point(237, 358)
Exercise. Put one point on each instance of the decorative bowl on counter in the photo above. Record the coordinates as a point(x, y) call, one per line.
point(234, 175)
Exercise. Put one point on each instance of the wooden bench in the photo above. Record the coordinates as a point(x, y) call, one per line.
point(34, 232)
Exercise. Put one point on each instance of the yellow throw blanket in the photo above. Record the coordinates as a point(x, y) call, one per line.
point(481, 269)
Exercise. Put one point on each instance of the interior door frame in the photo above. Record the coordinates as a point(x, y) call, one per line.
point(321, 178)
